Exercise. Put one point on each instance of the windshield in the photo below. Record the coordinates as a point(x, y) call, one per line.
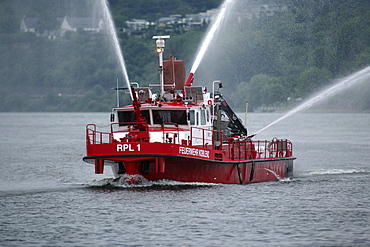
point(167, 116)
point(126, 117)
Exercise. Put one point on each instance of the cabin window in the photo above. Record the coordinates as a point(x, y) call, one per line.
point(191, 117)
point(167, 116)
point(202, 117)
point(125, 117)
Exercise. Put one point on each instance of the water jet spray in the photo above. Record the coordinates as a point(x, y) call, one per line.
point(209, 37)
point(113, 33)
point(327, 93)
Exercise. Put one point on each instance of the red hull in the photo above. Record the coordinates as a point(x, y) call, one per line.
point(169, 161)
point(225, 173)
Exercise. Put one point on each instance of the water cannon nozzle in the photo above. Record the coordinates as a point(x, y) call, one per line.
point(251, 136)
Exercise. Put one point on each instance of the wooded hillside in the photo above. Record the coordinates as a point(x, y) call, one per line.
point(266, 59)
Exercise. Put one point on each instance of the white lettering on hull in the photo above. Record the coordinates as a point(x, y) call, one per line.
point(194, 152)
point(128, 148)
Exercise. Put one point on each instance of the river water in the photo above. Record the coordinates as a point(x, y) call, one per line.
point(47, 197)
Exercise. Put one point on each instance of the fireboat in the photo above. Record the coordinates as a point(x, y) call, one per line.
point(183, 133)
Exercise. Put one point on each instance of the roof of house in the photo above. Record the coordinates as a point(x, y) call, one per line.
point(83, 22)
point(167, 19)
point(138, 20)
point(31, 22)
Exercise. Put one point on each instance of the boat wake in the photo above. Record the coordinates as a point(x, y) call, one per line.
point(126, 182)
point(123, 181)
point(334, 172)
point(29, 190)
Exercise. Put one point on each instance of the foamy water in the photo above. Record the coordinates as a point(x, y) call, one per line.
point(333, 171)
point(123, 182)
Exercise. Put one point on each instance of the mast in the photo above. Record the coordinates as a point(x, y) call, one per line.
point(160, 49)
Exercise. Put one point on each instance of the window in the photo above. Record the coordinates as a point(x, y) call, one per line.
point(129, 117)
point(202, 117)
point(191, 117)
point(168, 116)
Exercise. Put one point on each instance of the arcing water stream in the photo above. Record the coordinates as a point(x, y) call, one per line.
point(327, 93)
point(205, 44)
point(343, 84)
point(113, 33)
point(211, 34)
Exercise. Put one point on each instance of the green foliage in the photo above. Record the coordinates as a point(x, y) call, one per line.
point(267, 60)
point(311, 80)
point(305, 47)
point(153, 10)
point(9, 23)
point(272, 89)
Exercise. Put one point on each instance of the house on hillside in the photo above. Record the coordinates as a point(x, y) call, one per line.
point(31, 25)
point(61, 26)
point(192, 21)
point(198, 20)
point(136, 27)
point(87, 24)
point(137, 24)
point(165, 21)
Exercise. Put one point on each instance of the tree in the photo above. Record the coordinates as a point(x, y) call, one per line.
point(262, 90)
point(311, 80)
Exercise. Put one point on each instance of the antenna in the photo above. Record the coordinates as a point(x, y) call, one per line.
point(117, 94)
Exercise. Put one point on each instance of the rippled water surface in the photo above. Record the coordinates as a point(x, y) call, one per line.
point(50, 197)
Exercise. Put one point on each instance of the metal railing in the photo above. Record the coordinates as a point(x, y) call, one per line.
point(210, 139)
point(277, 148)
point(234, 148)
point(247, 149)
point(96, 137)
point(171, 135)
